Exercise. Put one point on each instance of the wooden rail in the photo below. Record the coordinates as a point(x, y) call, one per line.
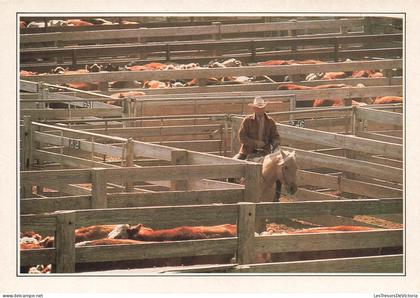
point(173, 50)
point(217, 72)
point(187, 31)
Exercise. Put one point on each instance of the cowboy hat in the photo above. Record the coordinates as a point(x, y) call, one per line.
point(258, 102)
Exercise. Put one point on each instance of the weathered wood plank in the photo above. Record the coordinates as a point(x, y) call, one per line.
point(377, 264)
point(379, 137)
point(329, 241)
point(156, 250)
point(152, 150)
point(64, 241)
point(207, 184)
point(379, 116)
point(195, 158)
point(33, 257)
point(177, 172)
point(99, 188)
point(246, 230)
point(79, 132)
point(369, 189)
point(51, 204)
point(70, 113)
point(346, 185)
point(70, 161)
point(309, 195)
point(175, 198)
point(151, 216)
point(252, 182)
point(338, 207)
point(64, 176)
point(332, 220)
point(158, 131)
point(84, 145)
point(198, 145)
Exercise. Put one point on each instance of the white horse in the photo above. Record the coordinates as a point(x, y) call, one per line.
point(279, 165)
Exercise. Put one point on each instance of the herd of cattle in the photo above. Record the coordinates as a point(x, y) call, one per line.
point(128, 235)
point(72, 22)
point(154, 84)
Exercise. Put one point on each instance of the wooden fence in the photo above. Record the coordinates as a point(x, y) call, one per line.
point(246, 245)
point(249, 50)
point(213, 30)
point(217, 72)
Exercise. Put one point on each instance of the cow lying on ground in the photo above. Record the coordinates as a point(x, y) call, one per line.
point(321, 102)
point(142, 233)
point(118, 95)
point(388, 99)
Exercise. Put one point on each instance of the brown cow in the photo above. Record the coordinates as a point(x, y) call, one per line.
point(26, 73)
point(79, 85)
point(153, 84)
point(148, 66)
point(367, 74)
point(301, 87)
point(77, 22)
point(320, 102)
point(334, 75)
point(388, 99)
point(334, 103)
point(290, 62)
point(118, 95)
point(142, 233)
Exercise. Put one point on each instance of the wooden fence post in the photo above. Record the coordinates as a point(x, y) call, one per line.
point(127, 111)
point(217, 35)
point(354, 121)
point(99, 189)
point(252, 191)
point(292, 106)
point(103, 86)
point(179, 157)
point(64, 242)
point(234, 143)
point(367, 29)
point(344, 30)
point(252, 182)
point(129, 161)
point(26, 191)
point(293, 33)
point(246, 231)
point(27, 143)
point(253, 51)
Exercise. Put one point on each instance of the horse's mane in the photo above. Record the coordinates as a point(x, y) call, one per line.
point(278, 153)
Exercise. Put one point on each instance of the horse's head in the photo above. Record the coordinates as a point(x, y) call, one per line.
point(286, 171)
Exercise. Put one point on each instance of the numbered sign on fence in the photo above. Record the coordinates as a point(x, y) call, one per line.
point(88, 104)
point(298, 123)
point(74, 144)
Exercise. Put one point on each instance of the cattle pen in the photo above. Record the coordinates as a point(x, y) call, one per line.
point(162, 157)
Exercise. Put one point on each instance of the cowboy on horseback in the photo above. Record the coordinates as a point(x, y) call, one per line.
point(258, 135)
